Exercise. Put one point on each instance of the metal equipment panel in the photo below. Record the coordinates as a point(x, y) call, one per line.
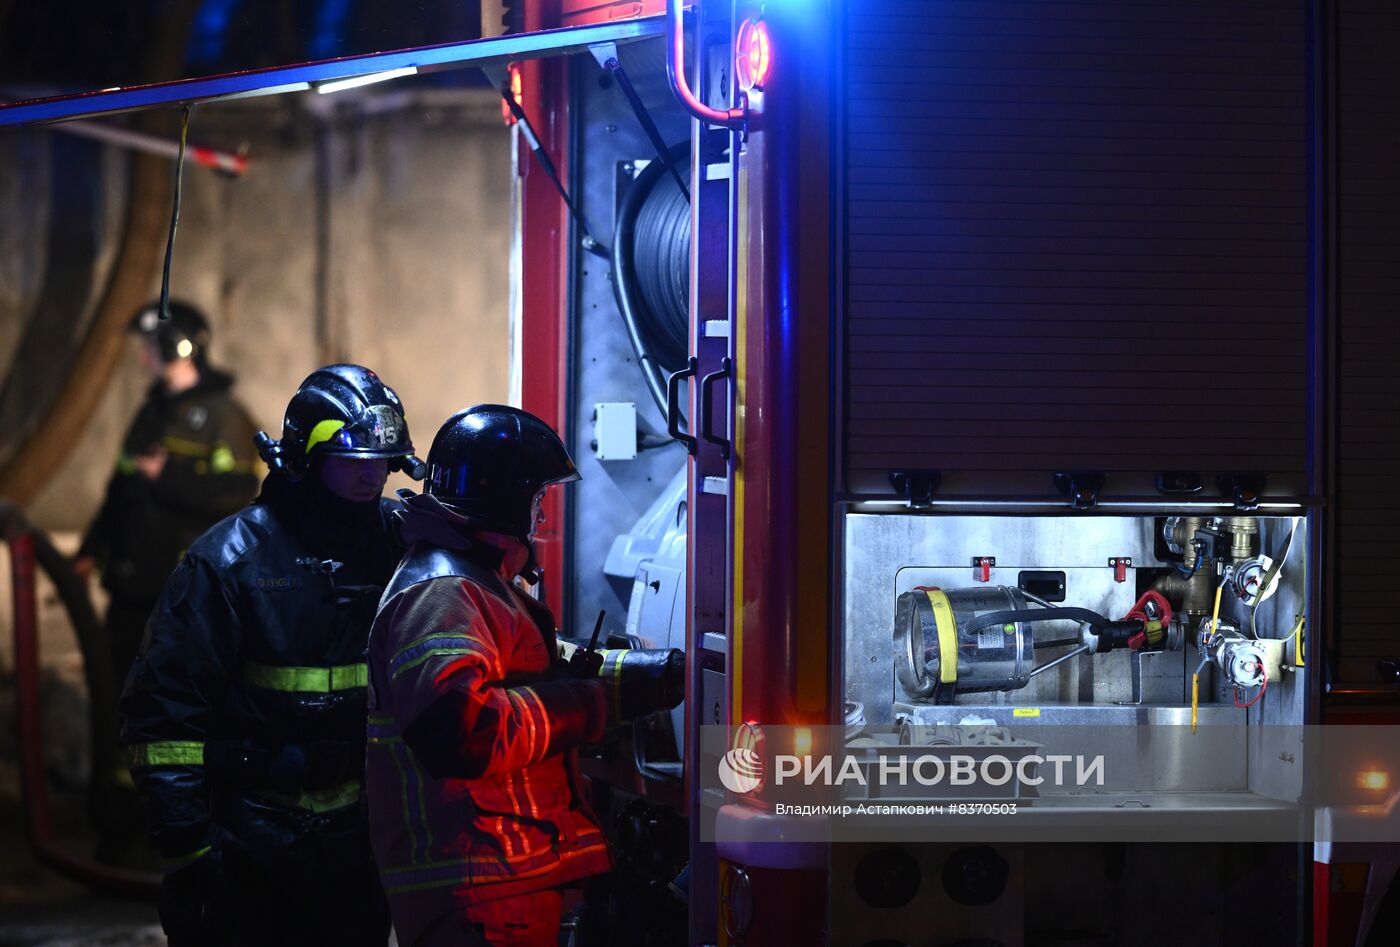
point(613, 493)
point(887, 555)
point(1075, 239)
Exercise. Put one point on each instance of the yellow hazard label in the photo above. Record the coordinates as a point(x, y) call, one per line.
point(1026, 712)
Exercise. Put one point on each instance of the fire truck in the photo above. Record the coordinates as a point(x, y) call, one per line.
point(868, 321)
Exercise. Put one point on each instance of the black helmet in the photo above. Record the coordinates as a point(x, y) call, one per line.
point(488, 462)
point(184, 335)
point(341, 410)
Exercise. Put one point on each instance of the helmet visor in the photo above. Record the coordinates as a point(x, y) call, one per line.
point(569, 477)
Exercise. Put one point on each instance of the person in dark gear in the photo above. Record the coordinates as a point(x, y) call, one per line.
point(186, 462)
point(244, 714)
point(475, 814)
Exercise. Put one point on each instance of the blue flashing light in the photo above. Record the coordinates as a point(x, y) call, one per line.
point(210, 30)
point(331, 16)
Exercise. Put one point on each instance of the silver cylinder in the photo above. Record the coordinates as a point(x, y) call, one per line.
point(998, 658)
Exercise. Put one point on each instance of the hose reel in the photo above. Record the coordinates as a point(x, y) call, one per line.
point(651, 270)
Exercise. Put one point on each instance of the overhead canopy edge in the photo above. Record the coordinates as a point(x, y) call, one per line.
point(494, 51)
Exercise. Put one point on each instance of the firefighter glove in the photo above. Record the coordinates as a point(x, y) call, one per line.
point(644, 680)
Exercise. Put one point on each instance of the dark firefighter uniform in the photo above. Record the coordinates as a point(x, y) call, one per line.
point(245, 713)
point(144, 525)
point(475, 814)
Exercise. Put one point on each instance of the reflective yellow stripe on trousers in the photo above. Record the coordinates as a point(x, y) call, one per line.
point(167, 753)
point(306, 680)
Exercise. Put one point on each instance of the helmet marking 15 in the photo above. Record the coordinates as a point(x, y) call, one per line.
point(341, 410)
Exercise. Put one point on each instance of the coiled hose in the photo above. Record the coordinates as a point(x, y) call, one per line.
point(651, 271)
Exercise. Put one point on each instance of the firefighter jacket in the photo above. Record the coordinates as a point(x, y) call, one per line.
point(248, 696)
point(145, 525)
point(472, 719)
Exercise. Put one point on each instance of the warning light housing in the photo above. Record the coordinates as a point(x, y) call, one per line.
point(754, 54)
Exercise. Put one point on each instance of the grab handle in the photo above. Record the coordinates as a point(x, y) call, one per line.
point(673, 406)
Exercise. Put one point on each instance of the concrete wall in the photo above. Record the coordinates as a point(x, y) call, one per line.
point(407, 197)
point(378, 232)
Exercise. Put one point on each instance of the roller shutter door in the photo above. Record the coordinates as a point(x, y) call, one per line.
point(1368, 298)
point(1075, 238)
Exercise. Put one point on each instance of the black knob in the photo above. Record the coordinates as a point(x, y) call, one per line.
point(1390, 671)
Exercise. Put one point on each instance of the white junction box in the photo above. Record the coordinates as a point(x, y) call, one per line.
point(615, 430)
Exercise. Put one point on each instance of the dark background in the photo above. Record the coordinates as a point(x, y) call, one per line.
point(88, 44)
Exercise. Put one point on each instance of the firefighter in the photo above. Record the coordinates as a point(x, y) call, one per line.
point(244, 714)
point(474, 806)
point(186, 463)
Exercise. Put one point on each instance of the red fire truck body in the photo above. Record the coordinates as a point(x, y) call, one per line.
point(781, 253)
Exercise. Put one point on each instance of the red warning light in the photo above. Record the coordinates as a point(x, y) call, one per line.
point(754, 50)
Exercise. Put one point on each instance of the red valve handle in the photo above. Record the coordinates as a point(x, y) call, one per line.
point(1155, 613)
